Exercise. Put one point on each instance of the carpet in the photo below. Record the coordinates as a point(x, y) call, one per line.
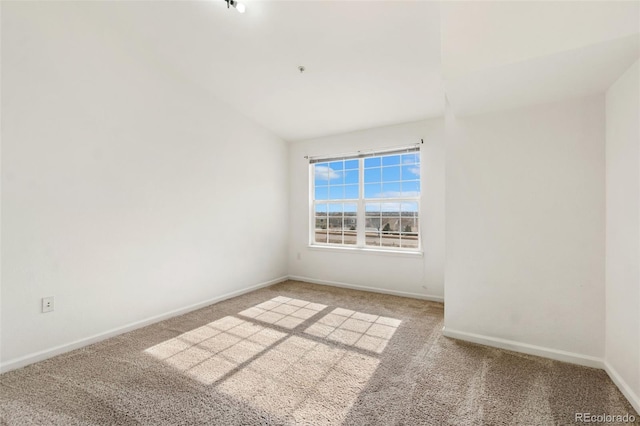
point(303, 354)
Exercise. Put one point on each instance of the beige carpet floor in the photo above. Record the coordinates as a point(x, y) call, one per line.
point(297, 353)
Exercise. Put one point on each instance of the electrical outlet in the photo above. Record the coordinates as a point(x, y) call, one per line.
point(47, 304)
point(299, 256)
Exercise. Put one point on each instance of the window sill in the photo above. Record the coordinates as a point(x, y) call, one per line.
point(361, 250)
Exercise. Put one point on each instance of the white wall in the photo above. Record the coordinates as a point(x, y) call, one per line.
point(397, 273)
point(525, 229)
point(623, 233)
point(126, 192)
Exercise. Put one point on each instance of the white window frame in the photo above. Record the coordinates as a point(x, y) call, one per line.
point(361, 208)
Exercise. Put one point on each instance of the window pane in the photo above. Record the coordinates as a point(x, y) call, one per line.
point(337, 165)
point(372, 190)
point(321, 236)
point(411, 189)
point(393, 208)
point(410, 232)
point(350, 208)
point(372, 209)
point(409, 241)
point(351, 177)
point(351, 164)
point(391, 190)
point(322, 193)
point(372, 175)
point(390, 229)
point(321, 223)
point(351, 191)
point(412, 158)
point(409, 209)
point(390, 173)
point(390, 160)
point(335, 221)
point(372, 239)
point(350, 237)
point(350, 224)
point(328, 173)
point(390, 223)
point(335, 237)
point(334, 173)
point(372, 162)
point(408, 225)
point(321, 173)
point(336, 192)
point(411, 172)
point(390, 240)
point(373, 224)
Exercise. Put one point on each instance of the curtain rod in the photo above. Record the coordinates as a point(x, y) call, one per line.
point(364, 153)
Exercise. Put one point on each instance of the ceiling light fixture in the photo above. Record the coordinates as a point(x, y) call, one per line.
point(235, 3)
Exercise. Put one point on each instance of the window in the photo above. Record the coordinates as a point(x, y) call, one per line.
point(367, 200)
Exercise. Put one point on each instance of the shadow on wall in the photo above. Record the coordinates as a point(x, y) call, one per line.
point(254, 357)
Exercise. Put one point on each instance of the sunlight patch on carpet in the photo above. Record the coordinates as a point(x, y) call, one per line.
point(303, 379)
point(283, 311)
point(210, 352)
point(358, 329)
point(285, 356)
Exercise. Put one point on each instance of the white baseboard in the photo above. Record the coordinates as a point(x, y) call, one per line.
point(57, 350)
point(371, 289)
point(555, 354)
point(558, 355)
point(626, 390)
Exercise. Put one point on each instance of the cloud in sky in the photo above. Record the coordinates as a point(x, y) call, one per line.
point(398, 194)
point(415, 170)
point(326, 173)
point(405, 206)
point(395, 207)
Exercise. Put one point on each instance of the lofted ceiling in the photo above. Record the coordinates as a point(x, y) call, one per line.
point(374, 63)
point(498, 55)
point(367, 64)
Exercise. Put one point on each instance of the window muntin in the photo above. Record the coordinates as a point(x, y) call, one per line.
point(370, 202)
